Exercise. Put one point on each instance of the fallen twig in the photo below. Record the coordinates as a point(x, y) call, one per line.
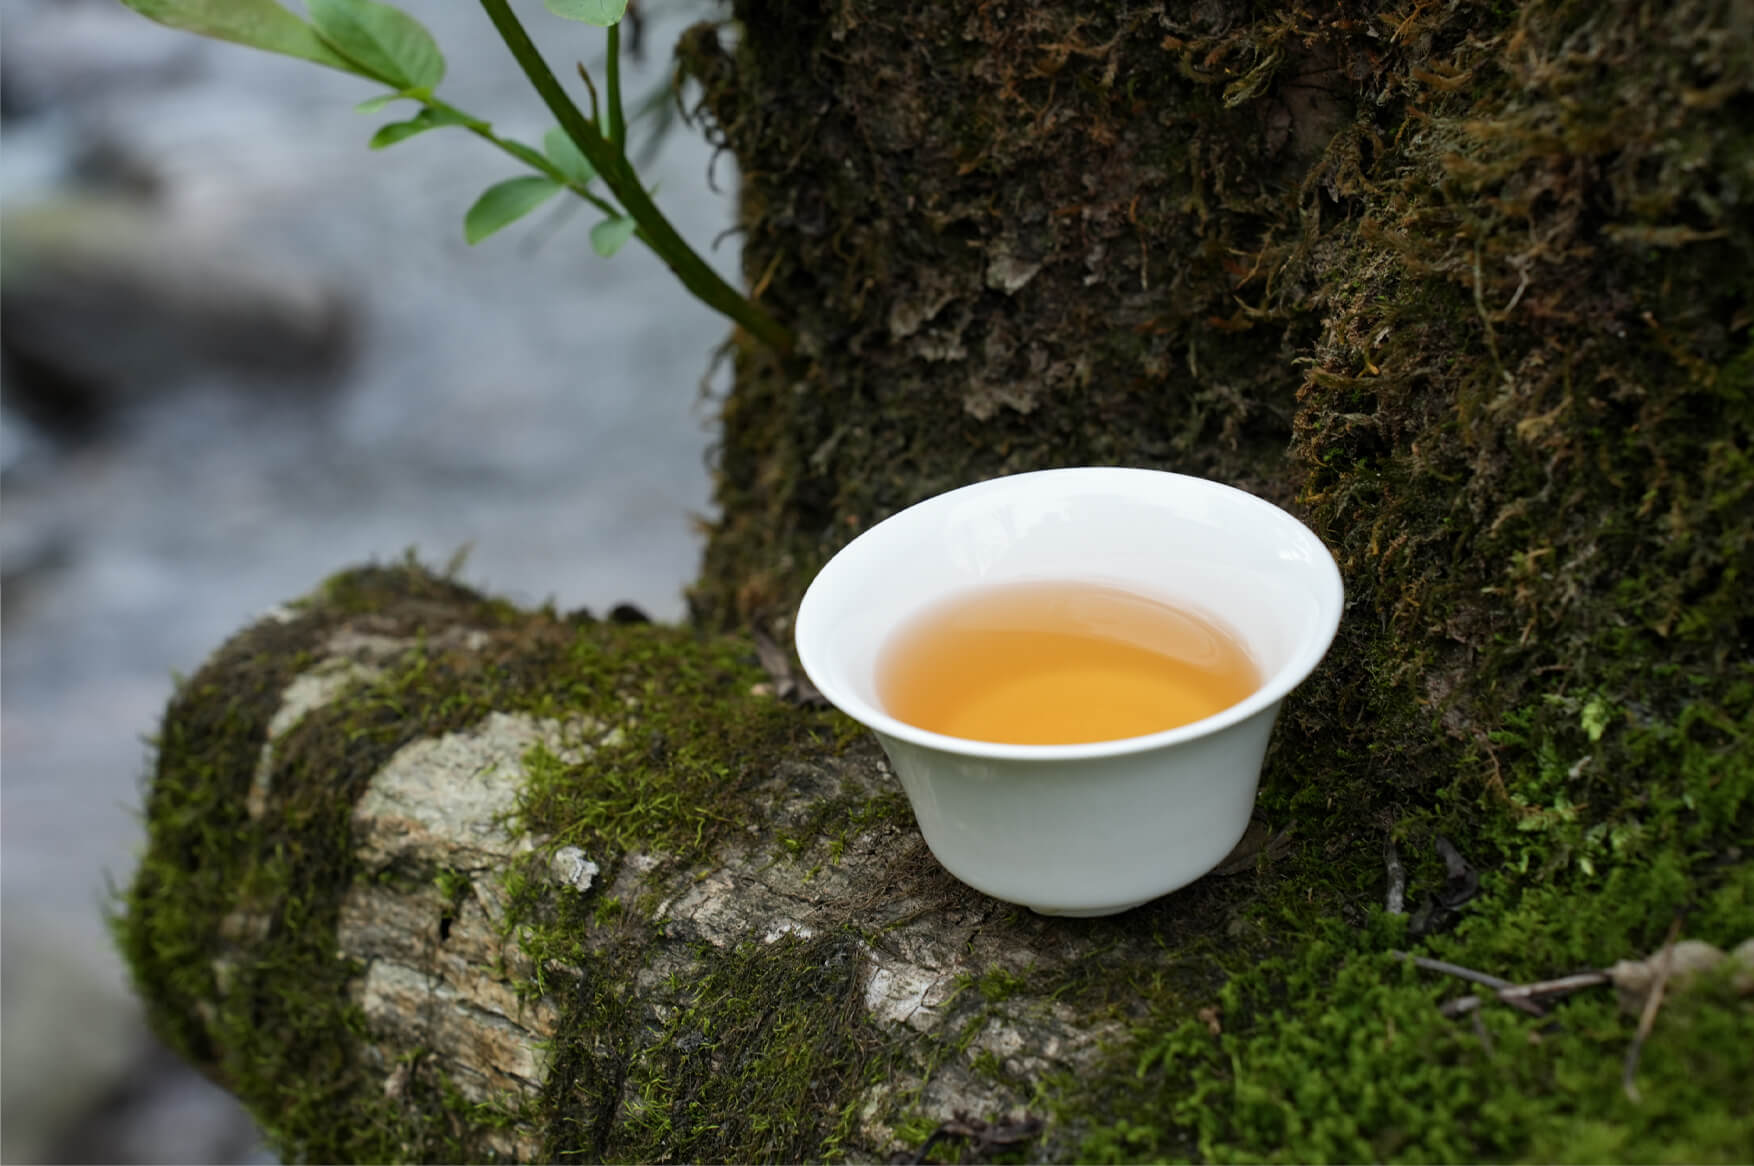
point(1397, 896)
point(1480, 1031)
point(983, 1136)
point(1520, 994)
point(1640, 983)
point(1555, 987)
point(1490, 981)
point(1456, 970)
point(1629, 1074)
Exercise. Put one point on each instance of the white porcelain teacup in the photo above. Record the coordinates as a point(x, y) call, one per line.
point(1095, 828)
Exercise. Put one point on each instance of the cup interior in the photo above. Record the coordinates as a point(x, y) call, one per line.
point(1185, 541)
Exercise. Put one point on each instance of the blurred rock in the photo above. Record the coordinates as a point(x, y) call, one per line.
point(33, 544)
point(106, 300)
point(162, 1111)
point(82, 1080)
point(38, 159)
point(71, 1038)
point(23, 447)
point(56, 52)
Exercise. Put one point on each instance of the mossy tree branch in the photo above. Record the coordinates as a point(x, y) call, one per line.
point(595, 892)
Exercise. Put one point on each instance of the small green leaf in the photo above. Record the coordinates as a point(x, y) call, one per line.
point(427, 119)
point(373, 104)
point(506, 203)
point(1595, 718)
point(260, 24)
point(610, 235)
point(601, 13)
point(398, 131)
point(567, 157)
point(401, 131)
point(384, 41)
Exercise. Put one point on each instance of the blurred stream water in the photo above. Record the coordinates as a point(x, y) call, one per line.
point(522, 396)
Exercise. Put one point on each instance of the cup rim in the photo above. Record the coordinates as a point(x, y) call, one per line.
point(1310, 650)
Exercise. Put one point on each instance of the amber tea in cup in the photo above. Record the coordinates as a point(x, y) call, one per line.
point(1059, 663)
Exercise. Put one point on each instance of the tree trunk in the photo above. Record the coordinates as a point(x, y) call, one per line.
point(1465, 285)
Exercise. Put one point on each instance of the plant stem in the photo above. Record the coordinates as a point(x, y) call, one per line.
point(655, 230)
point(612, 81)
point(522, 153)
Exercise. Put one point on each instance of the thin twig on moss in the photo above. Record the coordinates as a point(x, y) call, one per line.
point(1483, 978)
point(1521, 994)
point(1456, 970)
point(1665, 961)
point(1554, 987)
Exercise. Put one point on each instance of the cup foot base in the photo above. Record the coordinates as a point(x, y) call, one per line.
point(1087, 912)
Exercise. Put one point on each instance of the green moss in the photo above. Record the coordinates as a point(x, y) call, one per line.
point(1332, 1049)
point(753, 1057)
point(1542, 515)
point(406, 593)
point(1361, 1065)
point(692, 737)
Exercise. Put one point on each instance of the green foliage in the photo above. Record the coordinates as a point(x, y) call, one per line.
point(1336, 1058)
point(505, 203)
point(566, 157)
point(451, 884)
point(602, 13)
point(1338, 1051)
point(384, 42)
point(382, 100)
point(429, 118)
point(610, 235)
point(259, 24)
point(381, 42)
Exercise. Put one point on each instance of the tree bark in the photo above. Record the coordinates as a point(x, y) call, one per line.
point(1467, 286)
